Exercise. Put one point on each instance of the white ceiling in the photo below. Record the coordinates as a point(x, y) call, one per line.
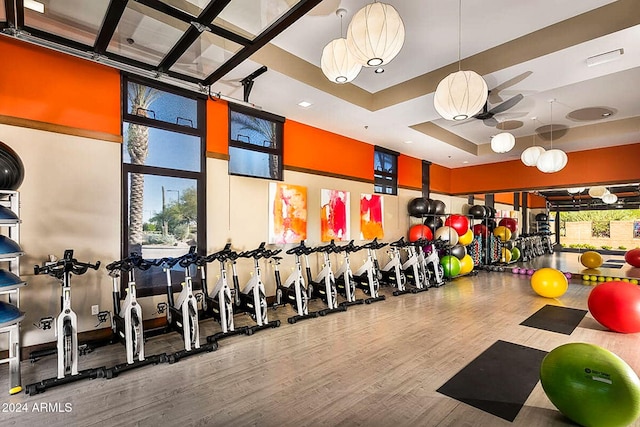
point(432, 42)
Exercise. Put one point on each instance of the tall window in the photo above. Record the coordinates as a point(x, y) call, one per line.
point(255, 143)
point(163, 178)
point(385, 171)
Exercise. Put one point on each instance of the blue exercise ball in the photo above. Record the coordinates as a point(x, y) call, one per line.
point(9, 314)
point(8, 247)
point(9, 281)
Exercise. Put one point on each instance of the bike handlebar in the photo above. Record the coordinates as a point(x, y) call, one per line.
point(134, 260)
point(68, 264)
point(301, 249)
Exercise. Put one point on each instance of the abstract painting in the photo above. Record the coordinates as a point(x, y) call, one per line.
point(371, 212)
point(287, 213)
point(334, 215)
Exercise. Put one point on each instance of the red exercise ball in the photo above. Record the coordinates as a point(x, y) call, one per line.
point(460, 223)
point(480, 230)
point(420, 231)
point(616, 305)
point(510, 223)
point(632, 257)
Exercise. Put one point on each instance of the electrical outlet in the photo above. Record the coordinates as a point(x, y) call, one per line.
point(95, 309)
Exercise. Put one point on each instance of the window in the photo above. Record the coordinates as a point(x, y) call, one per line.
point(255, 143)
point(163, 177)
point(385, 171)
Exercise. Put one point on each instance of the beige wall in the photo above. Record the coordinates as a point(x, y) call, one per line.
point(621, 234)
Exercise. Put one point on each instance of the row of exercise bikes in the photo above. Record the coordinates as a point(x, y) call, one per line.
point(411, 267)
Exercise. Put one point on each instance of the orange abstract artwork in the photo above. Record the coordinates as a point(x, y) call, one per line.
point(287, 213)
point(371, 213)
point(334, 215)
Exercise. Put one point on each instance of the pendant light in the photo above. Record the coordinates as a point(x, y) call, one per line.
point(531, 155)
point(337, 62)
point(503, 142)
point(375, 34)
point(553, 160)
point(462, 94)
point(575, 190)
point(609, 198)
point(598, 191)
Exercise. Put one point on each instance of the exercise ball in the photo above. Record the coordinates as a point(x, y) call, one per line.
point(632, 257)
point(502, 233)
point(480, 230)
point(510, 223)
point(438, 207)
point(9, 314)
point(460, 223)
point(451, 265)
point(515, 254)
point(466, 238)
point(447, 234)
point(433, 222)
point(418, 207)
point(491, 212)
point(591, 385)
point(458, 251)
point(491, 224)
point(466, 264)
point(616, 305)
point(420, 231)
point(11, 168)
point(506, 255)
point(477, 211)
point(9, 281)
point(591, 259)
point(508, 244)
point(549, 282)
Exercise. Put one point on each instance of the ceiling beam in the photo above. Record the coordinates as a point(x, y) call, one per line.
point(109, 24)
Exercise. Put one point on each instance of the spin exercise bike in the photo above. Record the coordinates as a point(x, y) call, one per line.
point(392, 273)
point(324, 285)
point(127, 315)
point(66, 325)
point(367, 277)
point(182, 314)
point(294, 290)
point(219, 303)
point(431, 262)
point(345, 283)
point(251, 298)
point(414, 269)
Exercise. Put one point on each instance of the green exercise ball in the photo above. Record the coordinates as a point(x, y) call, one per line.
point(591, 385)
point(515, 254)
point(451, 265)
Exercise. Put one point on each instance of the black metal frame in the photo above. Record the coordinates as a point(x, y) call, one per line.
point(204, 20)
point(200, 177)
point(278, 151)
point(380, 178)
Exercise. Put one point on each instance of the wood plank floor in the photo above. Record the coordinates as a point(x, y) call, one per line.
point(374, 365)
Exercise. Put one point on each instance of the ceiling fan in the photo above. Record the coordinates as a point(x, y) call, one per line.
point(487, 115)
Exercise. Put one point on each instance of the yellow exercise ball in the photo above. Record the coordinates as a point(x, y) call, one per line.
point(466, 264)
point(502, 232)
point(591, 259)
point(466, 238)
point(549, 282)
point(506, 255)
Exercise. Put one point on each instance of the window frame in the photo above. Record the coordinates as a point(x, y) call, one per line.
point(382, 180)
point(127, 168)
point(279, 140)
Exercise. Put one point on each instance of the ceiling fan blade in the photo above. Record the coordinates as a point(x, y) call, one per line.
point(494, 95)
point(491, 122)
point(509, 103)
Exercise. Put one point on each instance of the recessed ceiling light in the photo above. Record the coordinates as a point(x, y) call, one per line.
point(34, 5)
point(305, 104)
point(465, 162)
point(379, 70)
point(408, 142)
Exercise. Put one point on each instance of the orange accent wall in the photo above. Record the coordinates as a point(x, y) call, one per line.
point(504, 198)
point(409, 171)
point(46, 86)
point(316, 149)
point(217, 126)
point(536, 202)
point(598, 166)
point(440, 179)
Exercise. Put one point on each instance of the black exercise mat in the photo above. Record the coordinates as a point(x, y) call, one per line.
point(499, 380)
point(611, 266)
point(555, 319)
point(621, 261)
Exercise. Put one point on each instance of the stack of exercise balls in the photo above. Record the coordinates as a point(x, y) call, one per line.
point(458, 224)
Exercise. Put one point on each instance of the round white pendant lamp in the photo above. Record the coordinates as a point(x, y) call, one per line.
point(375, 34)
point(531, 155)
point(460, 95)
point(337, 63)
point(575, 190)
point(597, 192)
point(609, 198)
point(552, 161)
point(503, 142)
